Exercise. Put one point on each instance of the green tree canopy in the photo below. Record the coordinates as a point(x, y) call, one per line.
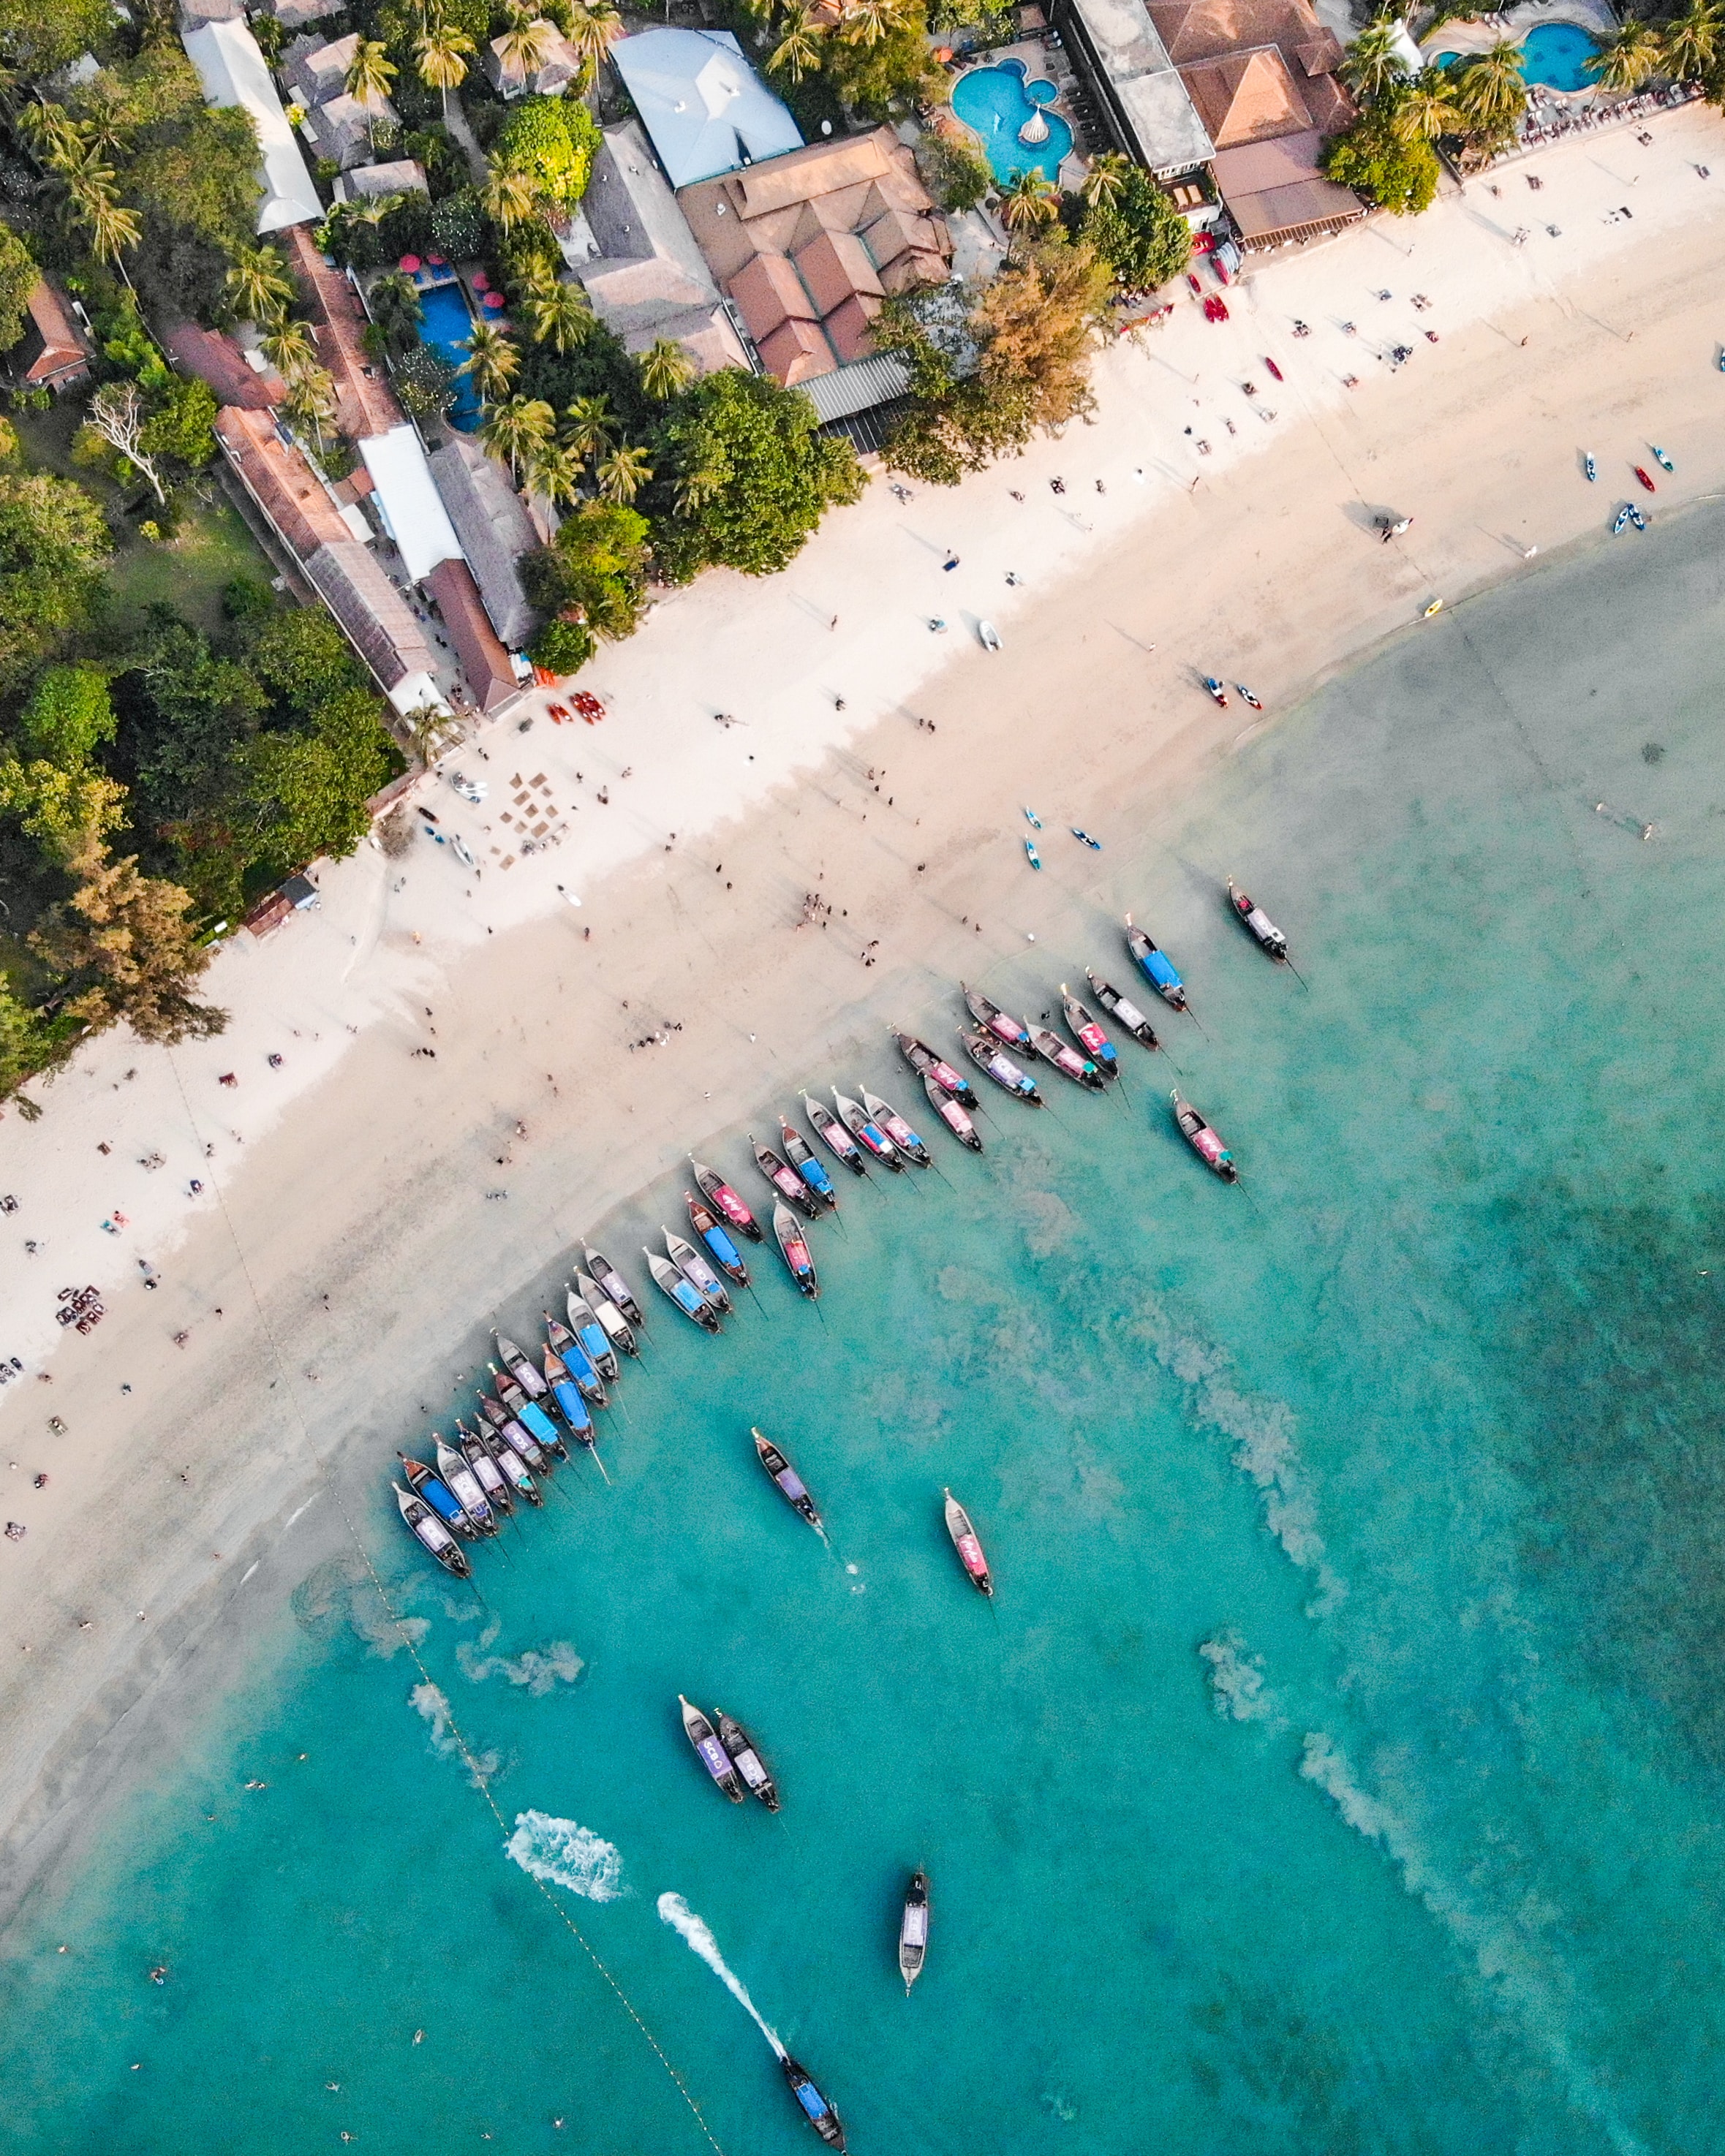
point(1137, 231)
point(1390, 165)
point(550, 142)
point(69, 716)
point(38, 36)
point(310, 787)
point(53, 545)
point(18, 280)
point(304, 660)
point(594, 572)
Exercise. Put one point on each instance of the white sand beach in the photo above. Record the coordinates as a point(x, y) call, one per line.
point(337, 1269)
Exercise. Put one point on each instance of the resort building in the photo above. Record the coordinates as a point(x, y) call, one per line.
point(296, 14)
point(492, 678)
point(561, 66)
point(365, 404)
point(1149, 109)
point(703, 106)
point(233, 74)
point(495, 530)
point(402, 176)
point(218, 359)
point(644, 275)
point(53, 352)
point(340, 126)
point(405, 498)
point(808, 249)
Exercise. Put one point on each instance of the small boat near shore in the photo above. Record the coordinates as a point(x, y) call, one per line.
point(1257, 924)
point(834, 1135)
point(1123, 1011)
point(956, 1118)
point(794, 1248)
point(514, 1361)
point(688, 1298)
point(801, 1155)
point(1066, 1060)
point(423, 1525)
point(867, 1133)
point(786, 1181)
point(477, 1458)
point(745, 1756)
point(993, 1020)
point(696, 1269)
point(1089, 1036)
point(529, 1413)
point(993, 1060)
point(725, 1254)
point(1203, 1141)
point(509, 1430)
point(615, 1326)
point(611, 1282)
point(469, 1493)
point(571, 1401)
point(923, 1060)
point(968, 1545)
point(510, 1463)
point(815, 2108)
point(595, 1340)
point(577, 1364)
point(786, 1480)
point(719, 1194)
point(711, 1755)
point(913, 1929)
point(566, 1389)
point(910, 1146)
point(430, 1488)
point(1153, 964)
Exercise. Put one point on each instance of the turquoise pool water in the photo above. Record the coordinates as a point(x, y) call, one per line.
point(995, 102)
point(446, 325)
point(1339, 1768)
point(1554, 56)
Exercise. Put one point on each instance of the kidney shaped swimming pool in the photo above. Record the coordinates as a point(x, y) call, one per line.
point(994, 103)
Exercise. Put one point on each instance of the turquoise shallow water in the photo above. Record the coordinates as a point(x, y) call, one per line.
point(1414, 1430)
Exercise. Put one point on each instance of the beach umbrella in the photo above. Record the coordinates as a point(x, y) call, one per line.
point(479, 281)
point(410, 263)
point(493, 302)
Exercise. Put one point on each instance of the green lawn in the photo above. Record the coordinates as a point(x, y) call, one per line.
point(185, 573)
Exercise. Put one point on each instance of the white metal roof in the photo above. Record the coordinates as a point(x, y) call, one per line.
point(407, 500)
point(232, 73)
point(706, 110)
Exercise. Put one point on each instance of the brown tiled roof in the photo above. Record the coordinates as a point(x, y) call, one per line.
point(53, 350)
point(484, 660)
point(364, 404)
point(847, 326)
point(794, 351)
point(214, 357)
point(1275, 187)
point(1196, 31)
point(381, 623)
point(833, 267)
point(1246, 97)
point(279, 481)
point(768, 291)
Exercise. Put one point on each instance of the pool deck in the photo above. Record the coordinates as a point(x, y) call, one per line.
point(1045, 63)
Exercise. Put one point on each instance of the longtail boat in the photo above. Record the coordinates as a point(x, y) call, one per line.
point(993, 1020)
point(711, 1755)
point(595, 1340)
point(423, 1525)
point(688, 1298)
point(1257, 924)
point(956, 1118)
point(1089, 1036)
point(923, 1060)
point(786, 1181)
point(696, 1269)
point(1203, 1141)
point(706, 1223)
point(510, 1464)
point(1153, 962)
point(913, 1929)
point(1127, 1012)
point(576, 1361)
point(801, 1155)
point(910, 1146)
point(477, 1459)
point(719, 1194)
point(990, 1058)
point(968, 1546)
point(789, 1484)
point(834, 1135)
point(566, 1389)
point(530, 1414)
point(513, 1360)
point(794, 1248)
point(615, 1326)
point(816, 2109)
point(1066, 1060)
point(468, 1492)
point(426, 1483)
point(611, 1282)
point(867, 1133)
point(507, 1429)
point(745, 1758)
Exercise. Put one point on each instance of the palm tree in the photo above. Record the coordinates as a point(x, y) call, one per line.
point(559, 317)
point(369, 75)
point(310, 400)
point(697, 488)
point(665, 368)
point(798, 50)
point(866, 22)
point(492, 360)
point(525, 45)
point(395, 304)
point(113, 230)
point(1492, 91)
point(427, 729)
point(440, 54)
point(1373, 61)
point(1691, 42)
point(591, 429)
point(1628, 57)
point(551, 471)
point(258, 286)
point(1029, 201)
point(288, 348)
point(593, 29)
point(58, 139)
point(1105, 179)
point(1427, 107)
point(623, 473)
point(515, 429)
point(507, 196)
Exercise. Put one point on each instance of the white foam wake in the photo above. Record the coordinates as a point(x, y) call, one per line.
point(430, 1702)
point(539, 1670)
point(675, 1912)
point(1264, 1449)
point(565, 1854)
point(1237, 1686)
point(1516, 1972)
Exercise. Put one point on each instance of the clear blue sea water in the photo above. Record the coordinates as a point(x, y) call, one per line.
point(1340, 1766)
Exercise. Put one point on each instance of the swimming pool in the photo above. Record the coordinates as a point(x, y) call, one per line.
point(446, 325)
point(1554, 56)
point(994, 103)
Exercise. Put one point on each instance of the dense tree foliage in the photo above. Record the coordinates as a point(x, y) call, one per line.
point(1383, 163)
point(1135, 230)
point(53, 544)
point(550, 142)
point(18, 280)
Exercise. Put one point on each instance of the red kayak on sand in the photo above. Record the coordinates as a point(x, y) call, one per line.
point(1645, 481)
point(1275, 370)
